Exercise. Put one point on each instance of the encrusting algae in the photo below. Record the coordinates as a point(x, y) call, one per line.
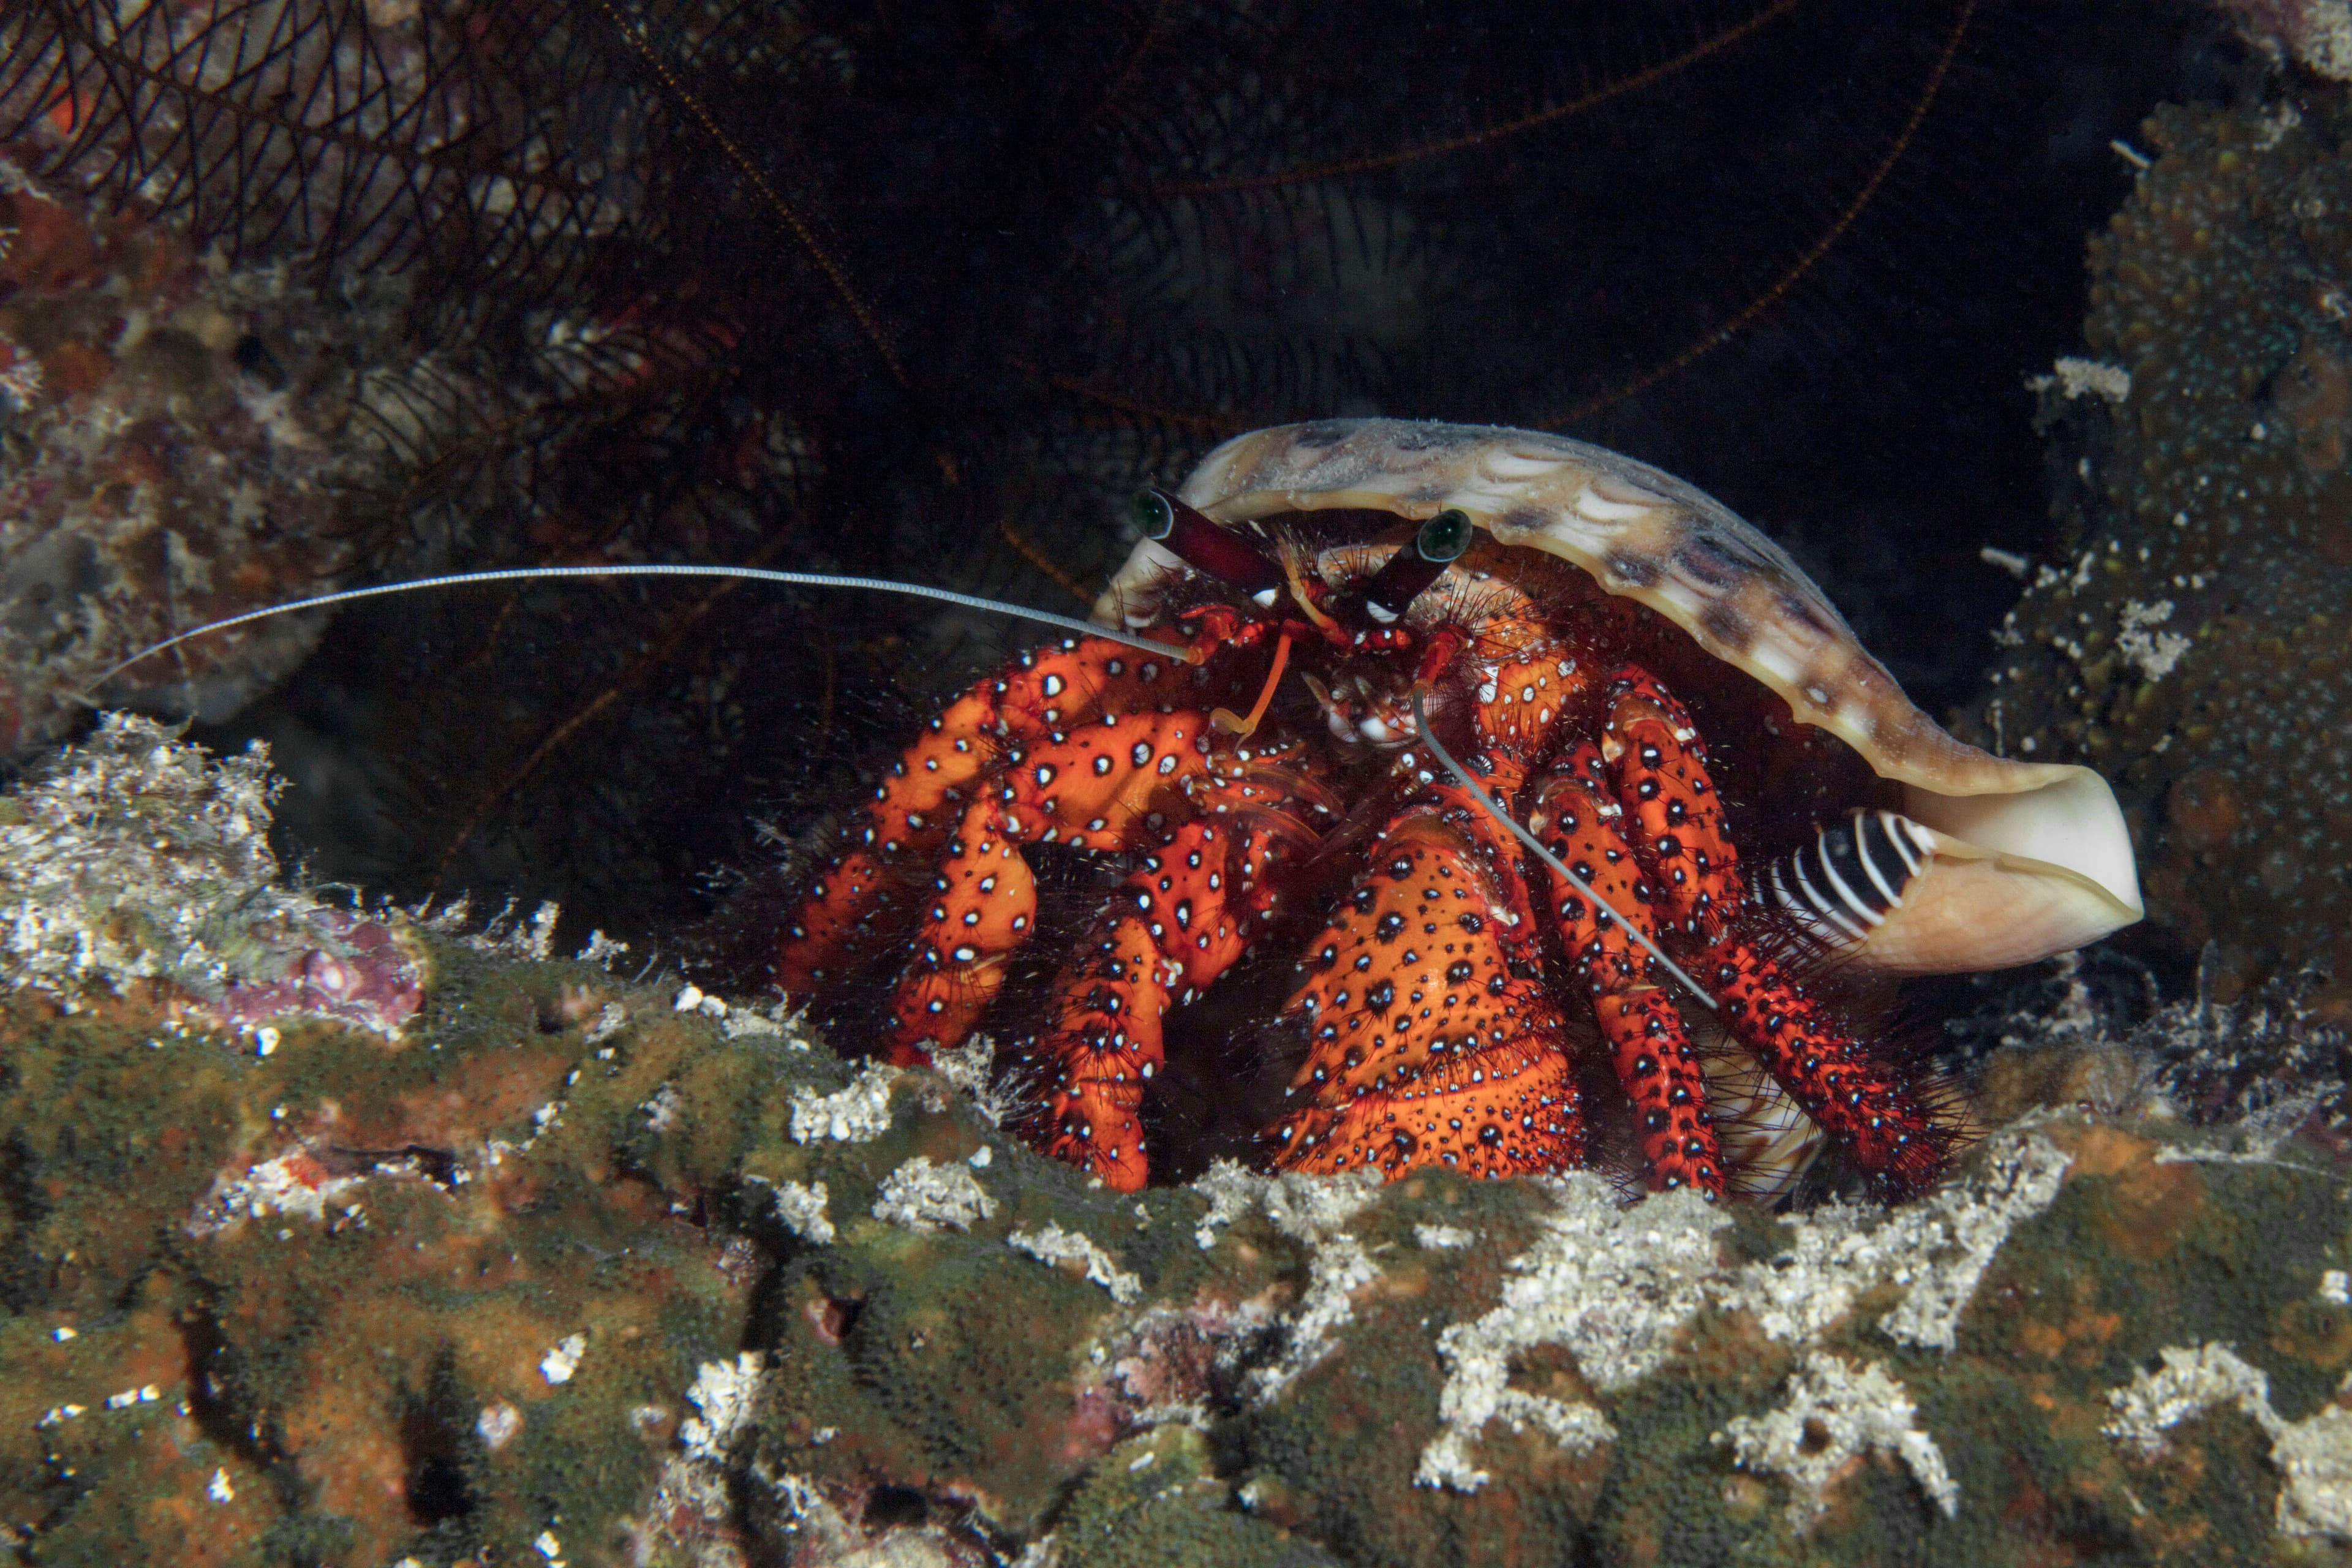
point(562, 1267)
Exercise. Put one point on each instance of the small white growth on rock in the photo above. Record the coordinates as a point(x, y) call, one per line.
point(692, 998)
point(851, 1115)
point(497, 1425)
point(2336, 1286)
point(1610, 1283)
point(1337, 1268)
point(970, 1069)
point(726, 1393)
point(1858, 1410)
point(610, 1020)
point(1957, 1229)
point(220, 1491)
point(800, 1499)
point(533, 940)
point(134, 856)
point(1314, 1209)
point(537, 940)
point(1441, 1237)
point(145, 1394)
point(2075, 377)
point(802, 1208)
point(2325, 40)
point(2152, 653)
point(1836, 1253)
point(563, 1359)
point(924, 1196)
point(1311, 1210)
point(2189, 1382)
point(2313, 1456)
point(600, 951)
point(295, 1183)
point(1056, 1245)
point(663, 1110)
point(740, 1022)
point(1232, 1189)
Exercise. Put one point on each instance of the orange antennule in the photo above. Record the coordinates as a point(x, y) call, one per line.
point(1243, 728)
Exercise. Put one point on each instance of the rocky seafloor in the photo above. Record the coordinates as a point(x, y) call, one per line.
point(363, 1236)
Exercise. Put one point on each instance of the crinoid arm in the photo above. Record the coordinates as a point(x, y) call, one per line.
point(1431, 1038)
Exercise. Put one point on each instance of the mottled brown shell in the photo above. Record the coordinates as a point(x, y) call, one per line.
point(2031, 858)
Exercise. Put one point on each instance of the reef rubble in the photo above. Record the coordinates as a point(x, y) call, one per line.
point(565, 1267)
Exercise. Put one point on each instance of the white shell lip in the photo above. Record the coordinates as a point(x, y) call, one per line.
point(2032, 858)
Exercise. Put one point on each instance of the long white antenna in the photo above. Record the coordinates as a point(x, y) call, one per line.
point(1421, 723)
point(743, 573)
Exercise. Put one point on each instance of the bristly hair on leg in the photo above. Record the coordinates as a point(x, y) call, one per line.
point(1900, 1039)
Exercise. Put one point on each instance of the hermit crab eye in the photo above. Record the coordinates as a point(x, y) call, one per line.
point(1200, 544)
point(1393, 588)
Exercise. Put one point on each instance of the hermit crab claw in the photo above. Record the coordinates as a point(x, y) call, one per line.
point(2003, 862)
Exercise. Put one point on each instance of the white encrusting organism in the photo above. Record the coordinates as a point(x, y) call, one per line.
point(2313, 1456)
point(851, 1115)
point(1056, 1245)
point(921, 1196)
point(1837, 1411)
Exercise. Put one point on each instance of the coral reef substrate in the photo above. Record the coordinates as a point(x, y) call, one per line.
point(2190, 638)
point(181, 440)
point(576, 1269)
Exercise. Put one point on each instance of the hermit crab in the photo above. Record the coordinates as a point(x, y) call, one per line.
point(1500, 639)
point(1648, 687)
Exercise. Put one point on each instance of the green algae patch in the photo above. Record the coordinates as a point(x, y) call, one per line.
point(1158, 1502)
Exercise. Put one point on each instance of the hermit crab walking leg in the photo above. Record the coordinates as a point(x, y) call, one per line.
point(1659, 767)
point(1086, 786)
point(1184, 917)
point(1421, 726)
point(860, 900)
point(1576, 816)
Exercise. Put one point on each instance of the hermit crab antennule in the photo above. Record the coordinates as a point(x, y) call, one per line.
point(741, 574)
point(1462, 777)
point(1200, 544)
point(1438, 545)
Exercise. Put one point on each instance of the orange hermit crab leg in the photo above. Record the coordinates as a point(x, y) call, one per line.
point(1091, 787)
point(1659, 768)
point(1660, 763)
point(1653, 1053)
point(859, 901)
point(1185, 916)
